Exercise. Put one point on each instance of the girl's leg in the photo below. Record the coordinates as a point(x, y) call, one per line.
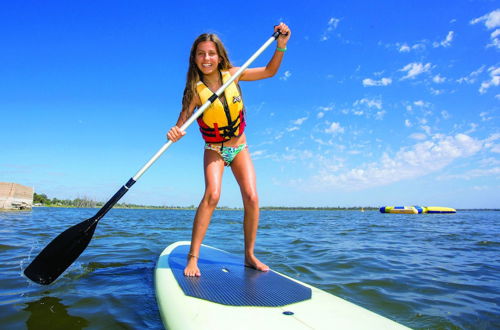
point(244, 173)
point(213, 169)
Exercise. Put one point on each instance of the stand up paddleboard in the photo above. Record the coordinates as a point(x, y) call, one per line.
point(229, 295)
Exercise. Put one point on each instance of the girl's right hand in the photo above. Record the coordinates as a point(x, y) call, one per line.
point(175, 134)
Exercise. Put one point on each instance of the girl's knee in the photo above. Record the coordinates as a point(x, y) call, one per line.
point(251, 199)
point(211, 198)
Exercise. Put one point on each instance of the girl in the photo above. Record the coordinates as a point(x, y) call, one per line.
point(222, 126)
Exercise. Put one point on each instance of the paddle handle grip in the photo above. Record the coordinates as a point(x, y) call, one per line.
point(277, 33)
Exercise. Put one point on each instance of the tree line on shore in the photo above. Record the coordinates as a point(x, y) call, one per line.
point(81, 202)
point(85, 202)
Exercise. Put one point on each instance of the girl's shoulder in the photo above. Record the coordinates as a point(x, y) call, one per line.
point(232, 70)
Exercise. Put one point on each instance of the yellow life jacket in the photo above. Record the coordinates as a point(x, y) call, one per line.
point(221, 120)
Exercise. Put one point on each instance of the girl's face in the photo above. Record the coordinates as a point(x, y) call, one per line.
point(206, 58)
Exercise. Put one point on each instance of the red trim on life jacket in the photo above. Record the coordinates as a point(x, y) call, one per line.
point(217, 132)
point(242, 122)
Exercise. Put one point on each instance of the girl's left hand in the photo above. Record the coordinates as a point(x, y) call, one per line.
point(285, 34)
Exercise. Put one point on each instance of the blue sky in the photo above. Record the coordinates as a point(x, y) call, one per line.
point(376, 103)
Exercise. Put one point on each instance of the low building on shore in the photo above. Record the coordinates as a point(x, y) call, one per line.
point(14, 196)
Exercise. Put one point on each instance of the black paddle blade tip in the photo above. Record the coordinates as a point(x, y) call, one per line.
point(36, 277)
point(56, 257)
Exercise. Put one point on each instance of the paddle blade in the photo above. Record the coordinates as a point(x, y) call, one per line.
point(61, 252)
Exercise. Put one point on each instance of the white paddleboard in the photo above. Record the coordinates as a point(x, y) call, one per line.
point(229, 295)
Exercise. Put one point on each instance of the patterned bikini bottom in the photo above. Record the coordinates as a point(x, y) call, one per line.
point(227, 153)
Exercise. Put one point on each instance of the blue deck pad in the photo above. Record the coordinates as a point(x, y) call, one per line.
point(225, 280)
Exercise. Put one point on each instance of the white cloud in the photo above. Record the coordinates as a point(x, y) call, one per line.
point(329, 108)
point(368, 107)
point(404, 48)
point(438, 79)
point(334, 128)
point(414, 69)
point(471, 78)
point(333, 23)
point(411, 162)
point(369, 103)
point(494, 80)
point(297, 122)
point(300, 121)
point(287, 74)
point(491, 21)
point(490, 143)
point(495, 40)
point(381, 82)
point(446, 42)
point(420, 103)
point(436, 91)
point(322, 110)
point(484, 116)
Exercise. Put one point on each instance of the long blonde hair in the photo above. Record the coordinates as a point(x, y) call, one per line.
point(194, 74)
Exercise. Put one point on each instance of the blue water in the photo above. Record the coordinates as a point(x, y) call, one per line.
point(424, 271)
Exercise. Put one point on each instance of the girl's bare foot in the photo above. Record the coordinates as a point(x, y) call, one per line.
point(252, 261)
point(192, 269)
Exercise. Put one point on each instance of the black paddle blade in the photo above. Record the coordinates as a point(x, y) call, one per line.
point(61, 252)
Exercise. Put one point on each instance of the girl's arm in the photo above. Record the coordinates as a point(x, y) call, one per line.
point(272, 67)
point(175, 133)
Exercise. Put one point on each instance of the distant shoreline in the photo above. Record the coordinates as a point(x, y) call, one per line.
point(264, 208)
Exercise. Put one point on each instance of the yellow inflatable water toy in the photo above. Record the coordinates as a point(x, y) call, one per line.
point(439, 209)
point(416, 209)
point(399, 209)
